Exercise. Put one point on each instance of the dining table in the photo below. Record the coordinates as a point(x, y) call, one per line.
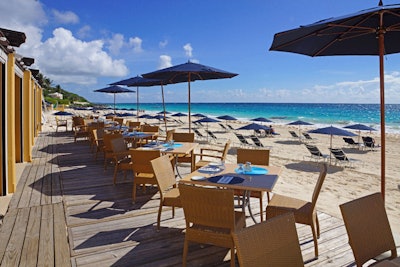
point(174, 148)
point(232, 176)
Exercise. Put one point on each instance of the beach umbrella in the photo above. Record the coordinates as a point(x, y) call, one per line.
point(114, 89)
point(62, 113)
point(227, 118)
point(299, 123)
point(164, 112)
point(377, 29)
point(332, 131)
point(188, 72)
point(199, 115)
point(254, 126)
point(139, 81)
point(359, 127)
point(261, 119)
point(207, 120)
point(179, 114)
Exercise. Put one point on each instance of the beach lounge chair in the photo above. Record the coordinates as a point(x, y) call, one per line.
point(223, 127)
point(341, 157)
point(243, 141)
point(212, 135)
point(305, 212)
point(351, 143)
point(369, 142)
point(294, 135)
point(210, 217)
point(207, 153)
point(169, 192)
point(230, 127)
point(199, 134)
point(368, 228)
point(282, 248)
point(257, 157)
point(256, 141)
point(307, 137)
point(316, 153)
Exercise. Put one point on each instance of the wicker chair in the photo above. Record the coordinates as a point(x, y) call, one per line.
point(271, 243)
point(108, 151)
point(142, 169)
point(211, 153)
point(169, 193)
point(121, 157)
point(304, 211)
point(255, 156)
point(368, 228)
point(61, 123)
point(98, 143)
point(210, 217)
point(184, 137)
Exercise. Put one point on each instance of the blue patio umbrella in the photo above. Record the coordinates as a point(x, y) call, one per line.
point(62, 113)
point(254, 126)
point(227, 118)
point(359, 127)
point(164, 112)
point(332, 131)
point(377, 29)
point(188, 72)
point(261, 119)
point(207, 120)
point(139, 81)
point(299, 123)
point(179, 114)
point(114, 89)
point(199, 115)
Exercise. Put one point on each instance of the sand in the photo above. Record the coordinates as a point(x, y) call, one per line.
point(299, 174)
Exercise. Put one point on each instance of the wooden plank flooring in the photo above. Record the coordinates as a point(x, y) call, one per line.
point(67, 212)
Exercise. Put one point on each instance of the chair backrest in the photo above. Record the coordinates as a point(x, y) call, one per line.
point(211, 134)
point(242, 139)
point(256, 141)
point(183, 137)
point(107, 140)
point(118, 145)
point(306, 135)
point(368, 227)
point(339, 154)
point(211, 207)
point(149, 128)
point(368, 141)
point(134, 124)
point(318, 186)
point(170, 135)
point(164, 173)
point(141, 160)
point(77, 120)
point(198, 133)
point(281, 249)
point(293, 134)
point(349, 140)
point(226, 149)
point(255, 156)
point(119, 120)
point(314, 150)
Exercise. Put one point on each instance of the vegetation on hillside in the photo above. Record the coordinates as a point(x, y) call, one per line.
point(68, 97)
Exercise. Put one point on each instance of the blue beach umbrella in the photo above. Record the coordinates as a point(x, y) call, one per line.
point(332, 131)
point(179, 114)
point(207, 120)
point(359, 127)
point(199, 115)
point(62, 113)
point(261, 119)
point(227, 118)
point(114, 89)
point(188, 72)
point(299, 123)
point(254, 126)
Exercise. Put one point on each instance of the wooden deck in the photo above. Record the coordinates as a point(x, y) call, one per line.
point(67, 212)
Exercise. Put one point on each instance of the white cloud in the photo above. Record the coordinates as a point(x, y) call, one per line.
point(188, 50)
point(19, 13)
point(67, 17)
point(136, 42)
point(116, 43)
point(165, 62)
point(163, 44)
point(84, 31)
point(69, 60)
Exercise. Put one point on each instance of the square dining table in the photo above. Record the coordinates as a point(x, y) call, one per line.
point(229, 176)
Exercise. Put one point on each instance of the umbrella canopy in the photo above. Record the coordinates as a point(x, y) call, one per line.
point(261, 119)
point(62, 113)
point(377, 29)
point(179, 114)
point(199, 115)
point(299, 123)
point(254, 126)
point(164, 112)
point(227, 118)
point(139, 81)
point(332, 131)
point(207, 120)
point(188, 72)
point(114, 89)
point(360, 127)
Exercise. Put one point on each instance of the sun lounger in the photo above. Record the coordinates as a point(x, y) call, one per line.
point(308, 137)
point(243, 141)
point(294, 135)
point(256, 141)
point(316, 153)
point(351, 143)
point(369, 142)
point(341, 157)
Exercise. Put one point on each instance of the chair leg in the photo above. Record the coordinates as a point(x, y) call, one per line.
point(115, 173)
point(134, 192)
point(314, 233)
point(173, 212)
point(233, 256)
point(261, 207)
point(185, 252)
point(159, 215)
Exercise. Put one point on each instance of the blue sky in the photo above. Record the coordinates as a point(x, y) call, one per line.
point(85, 45)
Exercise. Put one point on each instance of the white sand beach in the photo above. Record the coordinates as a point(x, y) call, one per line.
point(299, 175)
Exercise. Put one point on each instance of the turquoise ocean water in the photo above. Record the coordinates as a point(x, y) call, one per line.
point(281, 113)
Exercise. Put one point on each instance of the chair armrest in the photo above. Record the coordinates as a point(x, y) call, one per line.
point(208, 155)
point(210, 149)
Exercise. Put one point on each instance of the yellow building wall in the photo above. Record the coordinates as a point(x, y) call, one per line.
point(10, 125)
point(27, 116)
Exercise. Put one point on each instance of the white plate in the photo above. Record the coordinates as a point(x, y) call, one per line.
point(213, 164)
point(198, 178)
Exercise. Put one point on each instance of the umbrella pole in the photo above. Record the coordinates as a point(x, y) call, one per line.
point(190, 120)
point(137, 103)
point(114, 103)
point(382, 98)
point(163, 102)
